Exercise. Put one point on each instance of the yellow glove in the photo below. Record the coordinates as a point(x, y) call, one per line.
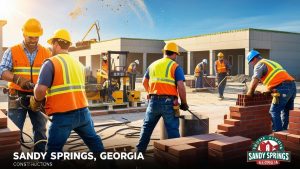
point(275, 99)
point(35, 105)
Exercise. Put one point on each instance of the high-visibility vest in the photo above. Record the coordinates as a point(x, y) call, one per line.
point(198, 70)
point(22, 67)
point(162, 77)
point(275, 75)
point(221, 67)
point(67, 92)
point(105, 66)
point(130, 67)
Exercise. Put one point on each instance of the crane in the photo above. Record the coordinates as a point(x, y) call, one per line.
point(96, 25)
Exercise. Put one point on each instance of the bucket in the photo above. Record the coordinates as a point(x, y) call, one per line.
point(188, 126)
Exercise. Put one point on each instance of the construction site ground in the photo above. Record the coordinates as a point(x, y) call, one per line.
point(204, 103)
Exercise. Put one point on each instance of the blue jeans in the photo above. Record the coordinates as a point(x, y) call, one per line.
point(221, 87)
point(81, 122)
point(38, 122)
point(280, 112)
point(158, 107)
point(199, 82)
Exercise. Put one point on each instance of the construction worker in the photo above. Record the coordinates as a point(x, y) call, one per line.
point(132, 73)
point(20, 66)
point(199, 73)
point(222, 69)
point(163, 80)
point(104, 68)
point(279, 82)
point(61, 86)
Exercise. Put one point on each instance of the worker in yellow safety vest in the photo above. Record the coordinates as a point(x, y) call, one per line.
point(104, 69)
point(164, 81)
point(131, 71)
point(278, 81)
point(61, 86)
point(199, 72)
point(20, 66)
point(222, 70)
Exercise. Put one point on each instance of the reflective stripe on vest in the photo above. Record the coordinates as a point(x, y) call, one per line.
point(22, 66)
point(221, 67)
point(67, 92)
point(162, 80)
point(275, 75)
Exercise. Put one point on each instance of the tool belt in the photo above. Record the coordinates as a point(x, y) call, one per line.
point(18, 99)
point(154, 96)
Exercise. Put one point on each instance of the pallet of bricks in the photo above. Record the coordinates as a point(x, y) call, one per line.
point(205, 149)
point(9, 137)
point(291, 137)
point(249, 118)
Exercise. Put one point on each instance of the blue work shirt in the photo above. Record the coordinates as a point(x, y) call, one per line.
point(7, 63)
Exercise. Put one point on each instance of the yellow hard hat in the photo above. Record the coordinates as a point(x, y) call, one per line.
point(171, 47)
point(220, 55)
point(60, 34)
point(33, 28)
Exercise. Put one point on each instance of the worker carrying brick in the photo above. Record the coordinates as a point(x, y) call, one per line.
point(279, 82)
point(131, 71)
point(20, 66)
point(199, 72)
point(163, 80)
point(222, 70)
point(61, 86)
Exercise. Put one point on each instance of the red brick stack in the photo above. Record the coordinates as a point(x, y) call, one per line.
point(9, 138)
point(185, 151)
point(257, 99)
point(190, 83)
point(3, 120)
point(291, 137)
point(248, 121)
point(229, 150)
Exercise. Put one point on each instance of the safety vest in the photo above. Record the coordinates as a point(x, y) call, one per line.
point(221, 67)
point(130, 67)
point(105, 66)
point(67, 92)
point(22, 67)
point(162, 77)
point(198, 70)
point(275, 75)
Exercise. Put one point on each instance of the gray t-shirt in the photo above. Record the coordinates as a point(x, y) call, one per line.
point(260, 70)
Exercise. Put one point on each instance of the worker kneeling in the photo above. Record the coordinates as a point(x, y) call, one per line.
point(61, 84)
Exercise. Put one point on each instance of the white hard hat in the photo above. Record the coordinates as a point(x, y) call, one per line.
point(104, 57)
point(204, 61)
point(137, 61)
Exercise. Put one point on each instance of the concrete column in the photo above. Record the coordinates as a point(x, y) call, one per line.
point(2, 23)
point(211, 62)
point(88, 62)
point(248, 68)
point(144, 62)
point(190, 63)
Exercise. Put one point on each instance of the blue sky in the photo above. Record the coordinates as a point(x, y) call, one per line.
point(151, 19)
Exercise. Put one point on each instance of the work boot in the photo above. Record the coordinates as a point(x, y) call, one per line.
point(221, 97)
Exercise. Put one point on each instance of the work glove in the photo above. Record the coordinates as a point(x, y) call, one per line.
point(23, 82)
point(35, 105)
point(249, 93)
point(184, 106)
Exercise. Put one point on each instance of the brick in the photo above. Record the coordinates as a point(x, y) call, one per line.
point(229, 143)
point(232, 122)
point(241, 151)
point(294, 138)
point(249, 108)
point(282, 135)
point(203, 139)
point(165, 144)
point(293, 131)
point(292, 146)
point(3, 120)
point(295, 113)
point(294, 119)
point(295, 126)
point(182, 150)
point(227, 127)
